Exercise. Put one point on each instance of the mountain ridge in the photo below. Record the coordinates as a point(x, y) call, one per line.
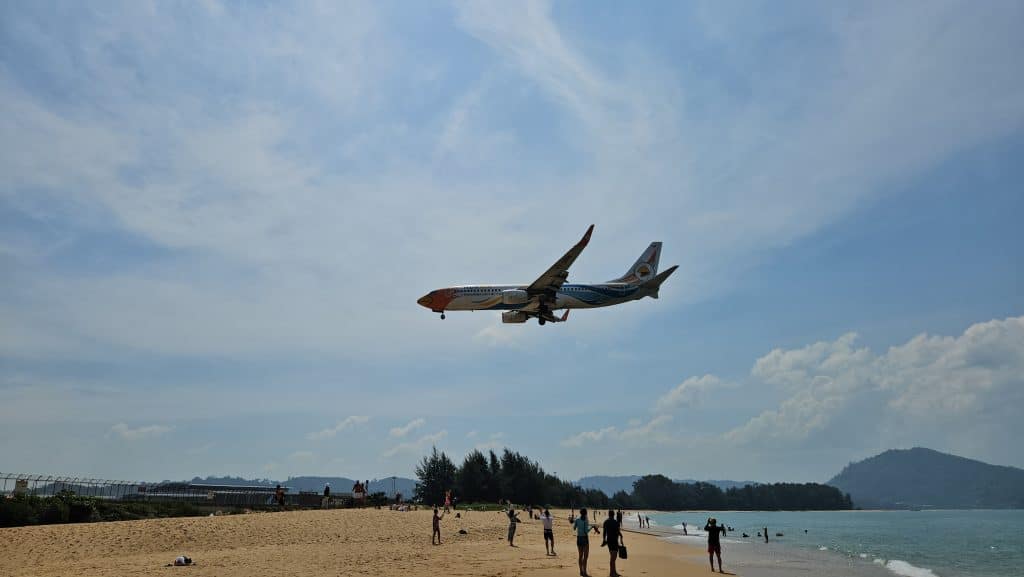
point(925, 478)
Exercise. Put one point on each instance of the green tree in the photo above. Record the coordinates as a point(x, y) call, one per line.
point(474, 478)
point(436, 474)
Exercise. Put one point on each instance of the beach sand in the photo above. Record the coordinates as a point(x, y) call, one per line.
point(361, 542)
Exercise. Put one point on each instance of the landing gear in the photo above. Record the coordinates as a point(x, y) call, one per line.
point(541, 321)
point(442, 316)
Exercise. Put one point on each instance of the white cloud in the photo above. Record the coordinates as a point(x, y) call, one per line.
point(301, 456)
point(407, 428)
point(688, 393)
point(148, 431)
point(417, 446)
point(644, 434)
point(943, 389)
point(584, 437)
point(344, 425)
point(472, 434)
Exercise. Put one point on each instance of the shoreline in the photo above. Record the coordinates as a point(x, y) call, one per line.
point(383, 543)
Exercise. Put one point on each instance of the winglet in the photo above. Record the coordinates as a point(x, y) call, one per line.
point(586, 236)
point(566, 315)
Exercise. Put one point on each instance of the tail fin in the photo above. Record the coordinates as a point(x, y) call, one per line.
point(654, 284)
point(645, 268)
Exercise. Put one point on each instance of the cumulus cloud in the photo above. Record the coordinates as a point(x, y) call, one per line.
point(641, 434)
point(331, 432)
point(417, 446)
point(407, 428)
point(687, 393)
point(965, 385)
point(129, 434)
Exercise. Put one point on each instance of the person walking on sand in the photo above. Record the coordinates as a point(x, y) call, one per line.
point(612, 539)
point(582, 527)
point(437, 528)
point(549, 532)
point(512, 520)
point(640, 520)
point(714, 544)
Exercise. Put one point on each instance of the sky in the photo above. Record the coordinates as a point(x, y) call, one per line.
point(216, 218)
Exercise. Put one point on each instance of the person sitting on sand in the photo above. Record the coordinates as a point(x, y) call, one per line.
point(582, 527)
point(437, 528)
point(714, 544)
point(612, 538)
point(549, 532)
point(182, 561)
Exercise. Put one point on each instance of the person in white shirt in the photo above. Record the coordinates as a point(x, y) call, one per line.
point(549, 533)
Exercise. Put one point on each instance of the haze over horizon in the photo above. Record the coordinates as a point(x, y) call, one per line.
point(216, 218)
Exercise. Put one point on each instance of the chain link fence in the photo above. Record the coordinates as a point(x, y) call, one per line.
point(257, 496)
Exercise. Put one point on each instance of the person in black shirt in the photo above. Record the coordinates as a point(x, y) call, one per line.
point(714, 544)
point(612, 538)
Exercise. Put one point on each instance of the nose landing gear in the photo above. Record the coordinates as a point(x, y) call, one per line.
point(442, 316)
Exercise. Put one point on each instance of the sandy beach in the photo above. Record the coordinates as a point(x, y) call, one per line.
point(365, 542)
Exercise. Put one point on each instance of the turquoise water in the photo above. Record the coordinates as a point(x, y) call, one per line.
point(911, 543)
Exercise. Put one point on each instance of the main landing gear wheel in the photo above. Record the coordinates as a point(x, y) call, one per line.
point(540, 322)
point(442, 316)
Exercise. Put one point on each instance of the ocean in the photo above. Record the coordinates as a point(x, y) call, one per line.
point(908, 543)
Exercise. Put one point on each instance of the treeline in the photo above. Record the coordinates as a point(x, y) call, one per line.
point(513, 477)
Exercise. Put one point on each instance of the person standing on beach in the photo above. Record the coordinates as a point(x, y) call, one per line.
point(279, 496)
point(766, 534)
point(512, 520)
point(549, 532)
point(647, 521)
point(612, 538)
point(684, 528)
point(327, 496)
point(582, 528)
point(640, 520)
point(714, 544)
point(437, 528)
point(618, 517)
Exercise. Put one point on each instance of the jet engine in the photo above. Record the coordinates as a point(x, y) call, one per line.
point(514, 317)
point(515, 297)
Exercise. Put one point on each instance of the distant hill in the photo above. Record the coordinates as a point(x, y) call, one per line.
point(309, 483)
point(923, 478)
point(610, 485)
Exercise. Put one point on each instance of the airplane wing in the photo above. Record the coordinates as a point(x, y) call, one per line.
point(553, 278)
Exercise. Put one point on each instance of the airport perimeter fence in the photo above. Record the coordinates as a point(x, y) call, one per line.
point(14, 484)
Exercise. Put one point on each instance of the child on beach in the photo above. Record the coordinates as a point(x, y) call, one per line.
point(549, 533)
point(437, 528)
point(714, 544)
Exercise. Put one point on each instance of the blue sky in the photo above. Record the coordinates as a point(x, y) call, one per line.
point(215, 219)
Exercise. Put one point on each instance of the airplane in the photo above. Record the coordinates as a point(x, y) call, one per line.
point(550, 292)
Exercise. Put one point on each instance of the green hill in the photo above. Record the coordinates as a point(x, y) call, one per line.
point(923, 478)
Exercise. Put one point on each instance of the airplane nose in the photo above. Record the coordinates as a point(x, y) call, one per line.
point(425, 300)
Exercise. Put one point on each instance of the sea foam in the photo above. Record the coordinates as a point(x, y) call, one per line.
point(906, 569)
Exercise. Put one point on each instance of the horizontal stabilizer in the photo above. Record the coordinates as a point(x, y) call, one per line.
point(655, 283)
